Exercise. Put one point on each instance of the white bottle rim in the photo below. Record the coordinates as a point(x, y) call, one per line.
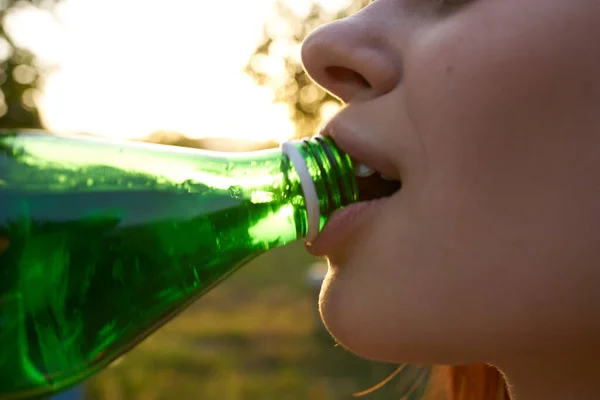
point(309, 190)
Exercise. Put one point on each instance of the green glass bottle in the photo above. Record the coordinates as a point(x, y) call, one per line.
point(102, 242)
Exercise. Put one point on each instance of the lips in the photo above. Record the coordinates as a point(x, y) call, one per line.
point(361, 148)
point(376, 176)
point(377, 179)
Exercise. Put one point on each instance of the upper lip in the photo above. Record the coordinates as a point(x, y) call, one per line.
point(359, 147)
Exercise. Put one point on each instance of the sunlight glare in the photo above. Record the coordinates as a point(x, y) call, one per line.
point(128, 68)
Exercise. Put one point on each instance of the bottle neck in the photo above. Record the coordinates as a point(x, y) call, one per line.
point(327, 178)
point(319, 181)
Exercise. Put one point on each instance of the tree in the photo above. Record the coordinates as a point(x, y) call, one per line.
point(19, 74)
point(276, 61)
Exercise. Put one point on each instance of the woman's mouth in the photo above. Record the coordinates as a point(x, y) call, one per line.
point(372, 184)
point(373, 189)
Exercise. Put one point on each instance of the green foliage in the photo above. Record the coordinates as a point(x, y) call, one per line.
point(276, 61)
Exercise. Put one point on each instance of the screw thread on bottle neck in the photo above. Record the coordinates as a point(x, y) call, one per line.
point(327, 178)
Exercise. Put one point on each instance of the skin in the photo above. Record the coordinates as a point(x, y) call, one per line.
point(490, 113)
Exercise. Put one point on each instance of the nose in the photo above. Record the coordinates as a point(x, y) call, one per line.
point(351, 59)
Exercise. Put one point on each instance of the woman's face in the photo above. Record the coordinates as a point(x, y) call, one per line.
point(490, 113)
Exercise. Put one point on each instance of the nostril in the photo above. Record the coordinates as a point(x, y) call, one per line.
point(346, 75)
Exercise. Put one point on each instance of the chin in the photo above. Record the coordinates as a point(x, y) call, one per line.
point(367, 323)
point(350, 322)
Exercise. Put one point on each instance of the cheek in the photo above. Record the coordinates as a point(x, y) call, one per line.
point(504, 117)
point(482, 244)
point(510, 133)
point(378, 297)
point(471, 80)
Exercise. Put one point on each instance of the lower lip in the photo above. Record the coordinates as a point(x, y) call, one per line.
point(341, 223)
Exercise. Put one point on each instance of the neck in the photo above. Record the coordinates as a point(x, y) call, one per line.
point(555, 377)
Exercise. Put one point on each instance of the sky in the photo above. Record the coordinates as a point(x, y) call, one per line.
point(181, 67)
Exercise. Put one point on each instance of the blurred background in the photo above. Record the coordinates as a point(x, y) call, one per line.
point(220, 75)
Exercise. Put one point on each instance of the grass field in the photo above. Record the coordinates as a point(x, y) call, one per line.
point(257, 336)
